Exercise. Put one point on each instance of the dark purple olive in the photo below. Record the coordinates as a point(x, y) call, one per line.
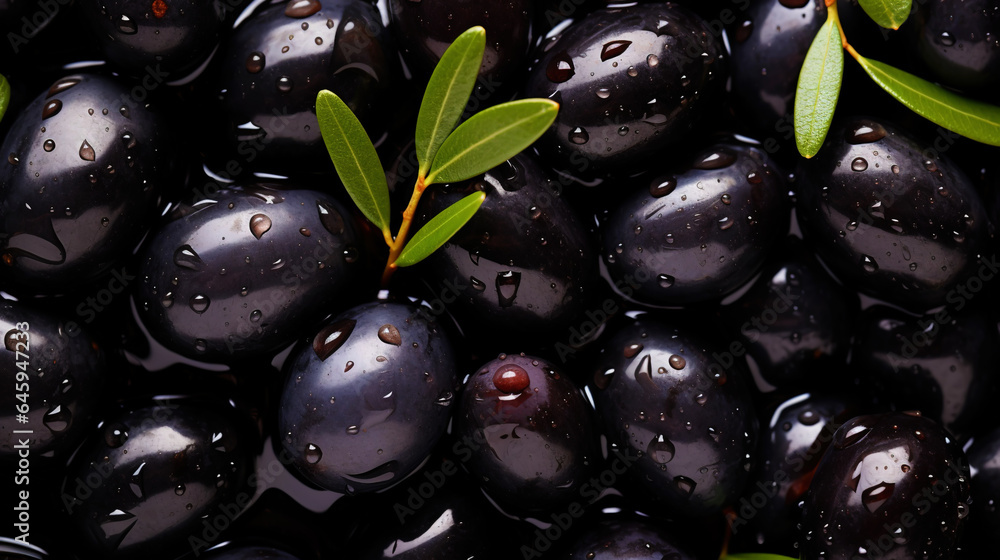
point(85, 163)
point(697, 234)
point(794, 318)
point(247, 271)
point(957, 41)
point(279, 59)
point(893, 219)
point(159, 479)
point(366, 399)
point(234, 551)
point(56, 377)
point(525, 432)
point(523, 267)
point(681, 407)
point(627, 540)
point(943, 365)
point(984, 521)
point(890, 486)
point(631, 81)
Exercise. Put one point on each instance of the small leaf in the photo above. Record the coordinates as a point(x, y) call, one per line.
point(440, 229)
point(354, 157)
point(887, 13)
point(757, 556)
point(447, 92)
point(972, 119)
point(818, 89)
point(490, 138)
point(4, 95)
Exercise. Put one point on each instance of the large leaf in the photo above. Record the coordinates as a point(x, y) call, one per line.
point(818, 89)
point(440, 229)
point(887, 13)
point(491, 137)
point(4, 95)
point(757, 556)
point(972, 119)
point(354, 157)
point(447, 92)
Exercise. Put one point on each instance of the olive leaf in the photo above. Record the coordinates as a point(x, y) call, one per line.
point(447, 92)
point(972, 119)
point(4, 95)
point(440, 229)
point(887, 13)
point(491, 137)
point(818, 89)
point(354, 157)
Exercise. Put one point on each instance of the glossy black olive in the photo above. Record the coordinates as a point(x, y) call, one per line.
point(984, 521)
point(367, 398)
point(681, 408)
point(236, 551)
point(957, 41)
point(893, 219)
point(628, 540)
point(700, 233)
point(245, 272)
point(85, 163)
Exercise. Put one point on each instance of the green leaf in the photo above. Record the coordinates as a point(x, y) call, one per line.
point(818, 89)
point(4, 95)
point(887, 13)
point(972, 119)
point(757, 556)
point(491, 137)
point(447, 92)
point(440, 229)
point(354, 157)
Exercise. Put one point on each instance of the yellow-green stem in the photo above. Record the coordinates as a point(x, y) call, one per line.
point(396, 247)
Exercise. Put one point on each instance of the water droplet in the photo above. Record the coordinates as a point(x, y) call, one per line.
point(389, 334)
point(808, 417)
point(127, 26)
point(859, 164)
point(853, 435)
point(946, 39)
point(685, 484)
point(929, 165)
point(865, 133)
point(631, 70)
point(895, 169)
point(665, 280)
point(332, 337)
point(913, 266)
point(49, 145)
point(331, 219)
point(677, 362)
point(255, 316)
point(560, 68)
point(725, 223)
point(622, 131)
point(743, 32)
point(876, 496)
point(313, 454)
point(716, 159)
point(507, 284)
point(578, 136)
point(136, 482)
point(115, 435)
point(200, 345)
point(13, 159)
point(255, 62)
point(511, 379)
point(61, 86)
point(87, 152)
point(51, 109)
point(284, 84)
point(445, 399)
point(199, 303)
point(868, 264)
point(353, 430)
point(57, 419)
point(259, 225)
point(351, 254)
point(660, 450)
point(612, 49)
point(632, 350)
point(302, 8)
point(662, 186)
point(652, 60)
point(603, 93)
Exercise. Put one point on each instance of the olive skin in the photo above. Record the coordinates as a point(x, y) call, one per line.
point(799, 431)
point(893, 484)
point(890, 221)
point(523, 267)
point(170, 37)
point(794, 318)
point(687, 419)
point(627, 540)
point(984, 521)
point(144, 482)
point(957, 41)
point(366, 399)
point(275, 64)
point(249, 552)
point(61, 375)
point(631, 82)
point(534, 439)
point(244, 273)
point(698, 234)
point(943, 365)
point(83, 168)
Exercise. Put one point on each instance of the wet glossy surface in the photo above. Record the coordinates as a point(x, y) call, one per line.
point(888, 220)
point(245, 272)
point(943, 365)
point(891, 484)
point(367, 398)
point(794, 318)
point(627, 540)
point(957, 40)
point(984, 519)
point(60, 375)
point(84, 166)
point(531, 450)
point(248, 552)
point(687, 419)
point(630, 81)
point(144, 482)
point(275, 64)
point(523, 267)
point(696, 234)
